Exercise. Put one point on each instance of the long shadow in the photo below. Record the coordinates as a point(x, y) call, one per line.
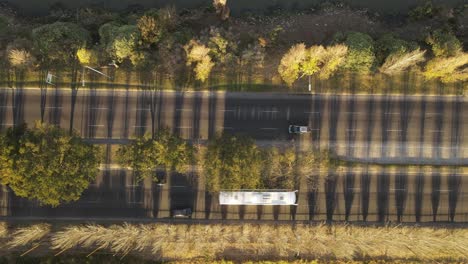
point(439, 123)
point(317, 102)
point(383, 185)
point(454, 182)
point(141, 114)
point(3, 107)
point(208, 203)
point(422, 124)
point(92, 114)
point(182, 194)
point(365, 194)
point(55, 115)
point(419, 195)
point(401, 193)
point(259, 212)
point(18, 106)
point(312, 197)
point(455, 138)
point(370, 108)
point(435, 194)
point(212, 101)
point(330, 196)
point(351, 121)
point(110, 112)
point(224, 211)
point(178, 112)
point(348, 192)
point(276, 212)
point(334, 111)
point(405, 113)
point(386, 115)
point(196, 112)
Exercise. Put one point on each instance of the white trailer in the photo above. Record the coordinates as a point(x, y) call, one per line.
point(258, 197)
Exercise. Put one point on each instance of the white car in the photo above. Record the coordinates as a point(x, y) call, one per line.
point(294, 129)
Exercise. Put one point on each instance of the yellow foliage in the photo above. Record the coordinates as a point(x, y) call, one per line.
point(289, 67)
point(86, 56)
point(333, 58)
point(448, 69)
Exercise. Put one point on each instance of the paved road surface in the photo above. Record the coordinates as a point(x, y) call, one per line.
point(383, 128)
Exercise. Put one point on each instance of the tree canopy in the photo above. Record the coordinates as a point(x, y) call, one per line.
point(361, 57)
point(444, 43)
point(59, 41)
point(232, 162)
point(46, 163)
point(166, 150)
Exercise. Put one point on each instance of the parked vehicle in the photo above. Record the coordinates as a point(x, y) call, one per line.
point(295, 129)
point(182, 213)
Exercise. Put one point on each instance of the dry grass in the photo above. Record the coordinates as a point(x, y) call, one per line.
point(3, 229)
point(25, 235)
point(248, 241)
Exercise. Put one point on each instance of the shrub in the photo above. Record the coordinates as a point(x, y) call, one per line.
point(360, 57)
point(444, 43)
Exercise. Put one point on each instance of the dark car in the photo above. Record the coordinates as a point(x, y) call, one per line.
point(182, 213)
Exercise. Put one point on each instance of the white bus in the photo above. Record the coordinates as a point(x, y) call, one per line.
point(258, 197)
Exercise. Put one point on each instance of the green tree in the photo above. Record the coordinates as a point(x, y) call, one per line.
point(444, 43)
point(232, 162)
point(360, 57)
point(46, 163)
point(59, 42)
point(165, 150)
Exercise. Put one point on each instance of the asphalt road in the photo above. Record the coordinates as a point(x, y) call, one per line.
point(382, 128)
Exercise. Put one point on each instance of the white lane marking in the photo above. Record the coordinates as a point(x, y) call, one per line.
point(269, 111)
point(54, 107)
point(183, 109)
point(6, 124)
point(353, 129)
point(99, 108)
point(392, 189)
point(433, 113)
point(287, 113)
point(357, 113)
point(392, 113)
point(143, 109)
point(312, 113)
point(229, 128)
point(183, 127)
point(140, 126)
point(269, 128)
point(314, 129)
point(391, 130)
point(227, 110)
point(96, 125)
point(6, 106)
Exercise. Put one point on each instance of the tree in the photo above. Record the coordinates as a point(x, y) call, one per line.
point(290, 65)
point(145, 154)
point(59, 42)
point(444, 43)
point(360, 57)
point(448, 69)
point(198, 54)
point(47, 163)
point(279, 168)
point(20, 58)
point(232, 162)
point(151, 29)
point(221, 8)
point(388, 44)
point(400, 61)
point(333, 59)
point(86, 56)
point(125, 44)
